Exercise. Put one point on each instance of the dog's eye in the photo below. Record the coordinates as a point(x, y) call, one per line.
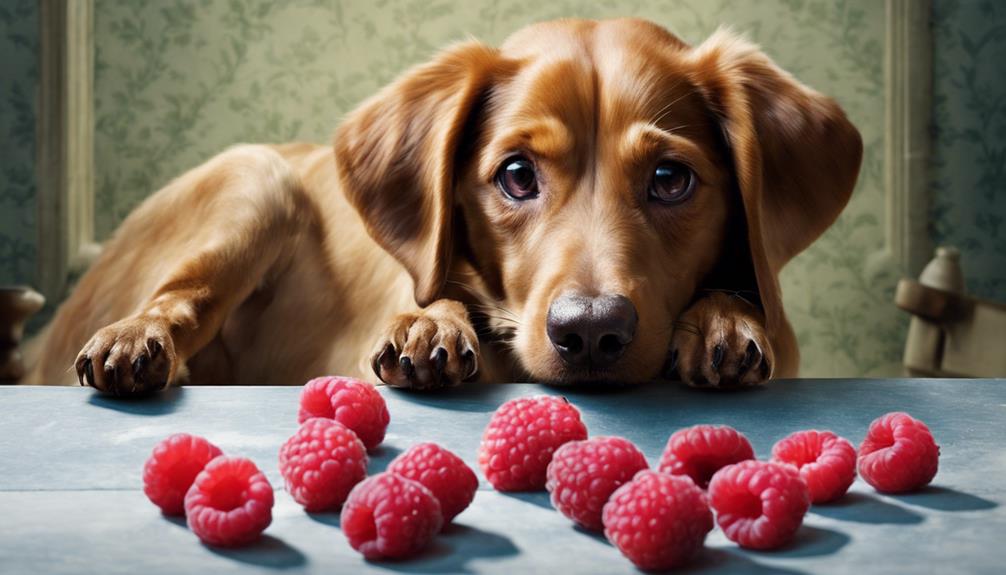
point(673, 183)
point(517, 179)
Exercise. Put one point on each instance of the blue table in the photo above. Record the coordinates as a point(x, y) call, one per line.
point(71, 498)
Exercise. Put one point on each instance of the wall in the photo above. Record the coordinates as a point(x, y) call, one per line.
point(18, 80)
point(969, 139)
point(178, 80)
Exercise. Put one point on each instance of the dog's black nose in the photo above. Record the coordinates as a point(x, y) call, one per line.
point(591, 332)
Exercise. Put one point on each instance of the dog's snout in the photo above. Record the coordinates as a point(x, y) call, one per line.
point(591, 332)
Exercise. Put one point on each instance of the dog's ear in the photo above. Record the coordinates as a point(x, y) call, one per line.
point(395, 158)
point(796, 156)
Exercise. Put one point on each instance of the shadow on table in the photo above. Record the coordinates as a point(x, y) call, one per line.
point(452, 550)
point(160, 403)
point(268, 551)
point(713, 560)
point(179, 521)
point(863, 508)
point(539, 498)
point(331, 519)
point(595, 535)
point(380, 457)
point(810, 541)
point(946, 499)
point(472, 396)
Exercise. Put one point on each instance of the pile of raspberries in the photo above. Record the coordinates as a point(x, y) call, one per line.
point(658, 518)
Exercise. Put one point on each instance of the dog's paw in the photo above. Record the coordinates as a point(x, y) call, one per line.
point(129, 357)
point(720, 342)
point(435, 347)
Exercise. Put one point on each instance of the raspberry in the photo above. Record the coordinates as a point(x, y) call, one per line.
point(658, 521)
point(351, 402)
point(321, 462)
point(825, 462)
point(759, 505)
point(518, 443)
point(446, 476)
point(230, 502)
point(701, 450)
point(583, 475)
point(172, 467)
point(899, 454)
point(388, 516)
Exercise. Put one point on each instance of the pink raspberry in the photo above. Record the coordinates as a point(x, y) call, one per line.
point(446, 476)
point(388, 516)
point(759, 505)
point(899, 454)
point(825, 461)
point(321, 462)
point(584, 474)
point(518, 443)
point(351, 402)
point(172, 467)
point(702, 450)
point(230, 502)
point(658, 521)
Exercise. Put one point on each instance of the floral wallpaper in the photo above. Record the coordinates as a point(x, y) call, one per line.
point(968, 206)
point(18, 80)
point(179, 80)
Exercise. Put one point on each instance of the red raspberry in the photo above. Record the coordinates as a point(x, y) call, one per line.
point(825, 462)
point(701, 450)
point(583, 475)
point(230, 502)
point(759, 505)
point(388, 516)
point(899, 454)
point(518, 443)
point(658, 521)
point(353, 403)
point(172, 467)
point(446, 476)
point(321, 463)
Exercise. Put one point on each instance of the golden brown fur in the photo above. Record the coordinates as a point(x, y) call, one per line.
point(273, 264)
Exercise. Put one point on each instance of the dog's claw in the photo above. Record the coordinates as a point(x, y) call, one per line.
point(139, 367)
point(386, 360)
point(439, 360)
point(749, 355)
point(112, 378)
point(89, 372)
point(408, 369)
point(153, 348)
point(717, 356)
point(470, 367)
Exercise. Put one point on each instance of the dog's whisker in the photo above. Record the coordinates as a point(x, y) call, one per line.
point(496, 308)
point(735, 293)
point(667, 109)
point(660, 94)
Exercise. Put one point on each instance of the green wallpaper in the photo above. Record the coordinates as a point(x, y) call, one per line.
point(18, 78)
point(178, 80)
point(969, 141)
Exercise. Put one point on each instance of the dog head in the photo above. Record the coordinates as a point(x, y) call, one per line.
point(579, 184)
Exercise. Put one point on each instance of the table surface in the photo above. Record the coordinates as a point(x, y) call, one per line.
point(71, 498)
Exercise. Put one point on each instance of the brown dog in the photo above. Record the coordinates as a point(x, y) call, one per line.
point(592, 201)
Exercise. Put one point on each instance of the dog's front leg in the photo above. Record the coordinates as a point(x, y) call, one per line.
point(433, 347)
point(720, 341)
point(246, 217)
